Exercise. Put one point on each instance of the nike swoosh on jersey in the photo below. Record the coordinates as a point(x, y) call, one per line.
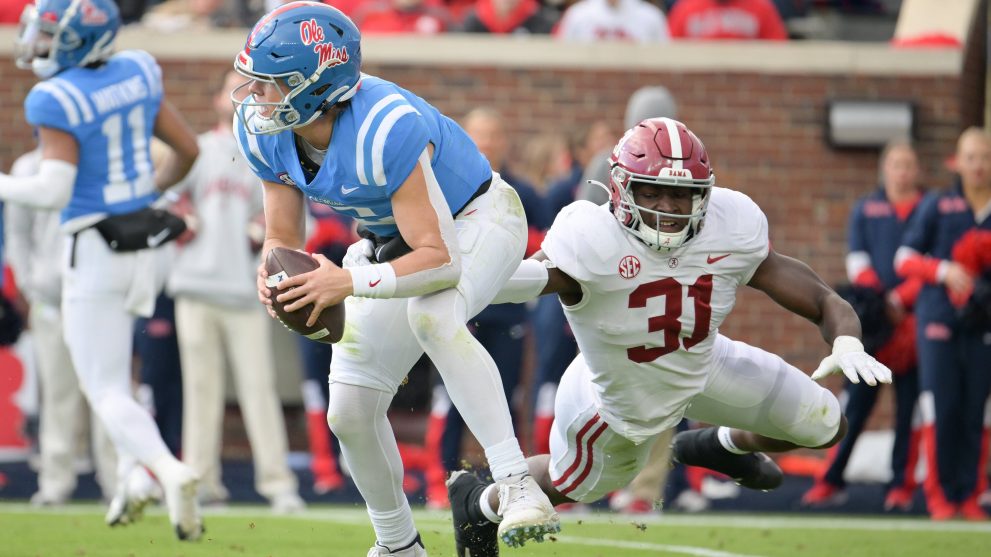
point(710, 260)
point(346, 191)
point(154, 240)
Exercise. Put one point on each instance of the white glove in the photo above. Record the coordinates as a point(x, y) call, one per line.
point(849, 357)
point(359, 253)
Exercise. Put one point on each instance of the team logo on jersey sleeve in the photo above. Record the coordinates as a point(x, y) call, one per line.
point(284, 176)
point(629, 267)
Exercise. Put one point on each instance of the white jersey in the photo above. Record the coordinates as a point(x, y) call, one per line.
point(648, 319)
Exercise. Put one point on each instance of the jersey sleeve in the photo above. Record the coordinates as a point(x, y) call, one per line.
point(576, 244)
point(47, 105)
point(252, 148)
point(749, 237)
point(392, 146)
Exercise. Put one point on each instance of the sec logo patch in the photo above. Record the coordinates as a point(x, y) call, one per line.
point(629, 267)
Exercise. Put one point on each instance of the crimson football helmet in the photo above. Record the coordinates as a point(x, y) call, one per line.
point(663, 152)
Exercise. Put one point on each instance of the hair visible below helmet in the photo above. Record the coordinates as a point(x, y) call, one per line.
point(60, 34)
point(309, 49)
point(661, 152)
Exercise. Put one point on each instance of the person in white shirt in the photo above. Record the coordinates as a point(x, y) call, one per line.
point(33, 250)
point(646, 280)
point(627, 20)
point(213, 283)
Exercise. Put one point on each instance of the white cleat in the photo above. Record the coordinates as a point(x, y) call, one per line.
point(184, 509)
point(133, 494)
point(527, 513)
point(414, 549)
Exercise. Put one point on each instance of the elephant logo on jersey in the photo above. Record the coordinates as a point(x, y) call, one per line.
point(92, 14)
point(310, 32)
point(629, 267)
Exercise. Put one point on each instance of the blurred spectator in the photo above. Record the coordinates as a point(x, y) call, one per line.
point(630, 20)
point(346, 6)
point(160, 371)
point(645, 102)
point(953, 359)
point(422, 17)
point(173, 15)
point(726, 19)
point(218, 318)
point(11, 10)
point(502, 17)
point(33, 249)
point(545, 158)
point(877, 225)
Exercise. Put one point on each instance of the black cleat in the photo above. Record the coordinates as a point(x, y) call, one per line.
point(472, 538)
point(701, 447)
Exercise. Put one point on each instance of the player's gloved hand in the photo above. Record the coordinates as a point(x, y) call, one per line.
point(359, 253)
point(849, 357)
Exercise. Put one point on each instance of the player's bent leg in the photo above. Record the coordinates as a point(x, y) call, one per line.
point(777, 406)
point(701, 447)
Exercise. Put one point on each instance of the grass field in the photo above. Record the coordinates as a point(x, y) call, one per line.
point(78, 531)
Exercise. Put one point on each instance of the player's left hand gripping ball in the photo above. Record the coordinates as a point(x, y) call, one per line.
point(283, 264)
point(850, 357)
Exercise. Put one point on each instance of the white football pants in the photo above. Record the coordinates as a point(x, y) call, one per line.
point(746, 388)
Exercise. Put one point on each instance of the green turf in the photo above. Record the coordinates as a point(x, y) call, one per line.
point(78, 531)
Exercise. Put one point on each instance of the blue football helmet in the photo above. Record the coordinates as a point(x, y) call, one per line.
point(311, 52)
point(60, 34)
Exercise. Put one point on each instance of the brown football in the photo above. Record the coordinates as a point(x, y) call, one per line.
point(282, 263)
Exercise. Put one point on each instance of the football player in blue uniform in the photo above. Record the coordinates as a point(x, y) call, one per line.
point(95, 114)
point(315, 127)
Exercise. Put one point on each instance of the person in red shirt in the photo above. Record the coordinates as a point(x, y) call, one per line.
point(11, 10)
point(424, 17)
point(726, 19)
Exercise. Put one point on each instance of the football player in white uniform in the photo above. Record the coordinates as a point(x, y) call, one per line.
point(645, 281)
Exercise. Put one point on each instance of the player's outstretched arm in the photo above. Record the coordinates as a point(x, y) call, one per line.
point(51, 186)
point(173, 129)
point(535, 277)
point(796, 287)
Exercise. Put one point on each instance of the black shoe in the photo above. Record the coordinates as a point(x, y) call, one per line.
point(701, 447)
point(472, 537)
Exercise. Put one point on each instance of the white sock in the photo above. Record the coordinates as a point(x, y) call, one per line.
point(723, 434)
point(487, 509)
point(506, 459)
point(393, 529)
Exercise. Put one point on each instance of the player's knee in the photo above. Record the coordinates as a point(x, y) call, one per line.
point(821, 423)
point(347, 423)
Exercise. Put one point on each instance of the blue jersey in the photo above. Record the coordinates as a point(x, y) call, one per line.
point(110, 111)
point(875, 228)
point(374, 147)
point(941, 221)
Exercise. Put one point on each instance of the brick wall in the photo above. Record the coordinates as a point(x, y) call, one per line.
point(764, 132)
